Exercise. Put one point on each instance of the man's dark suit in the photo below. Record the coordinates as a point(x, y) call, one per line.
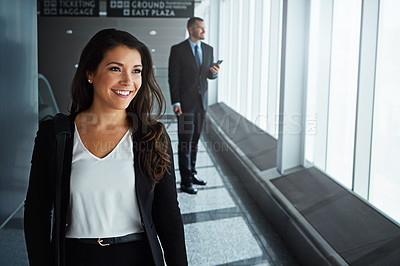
point(189, 86)
point(158, 207)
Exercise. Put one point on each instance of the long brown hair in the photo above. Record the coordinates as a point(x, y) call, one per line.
point(148, 105)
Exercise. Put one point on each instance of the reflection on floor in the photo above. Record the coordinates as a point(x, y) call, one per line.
point(223, 226)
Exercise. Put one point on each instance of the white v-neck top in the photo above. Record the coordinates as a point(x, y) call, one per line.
point(103, 200)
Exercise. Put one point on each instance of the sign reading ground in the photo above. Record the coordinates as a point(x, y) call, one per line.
point(131, 8)
point(70, 8)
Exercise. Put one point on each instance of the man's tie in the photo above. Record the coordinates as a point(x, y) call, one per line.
point(197, 57)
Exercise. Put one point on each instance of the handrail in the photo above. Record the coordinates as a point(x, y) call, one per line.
point(50, 90)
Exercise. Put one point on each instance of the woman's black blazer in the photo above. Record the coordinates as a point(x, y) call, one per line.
point(159, 208)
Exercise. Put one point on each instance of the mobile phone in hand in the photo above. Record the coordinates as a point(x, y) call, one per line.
point(217, 63)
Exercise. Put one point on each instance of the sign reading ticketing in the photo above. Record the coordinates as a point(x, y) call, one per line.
point(70, 8)
point(132, 8)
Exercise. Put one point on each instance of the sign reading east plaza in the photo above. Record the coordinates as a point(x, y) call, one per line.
point(70, 8)
point(132, 8)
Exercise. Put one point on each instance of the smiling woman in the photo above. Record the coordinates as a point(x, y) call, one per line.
point(118, 194)
point(116, 80)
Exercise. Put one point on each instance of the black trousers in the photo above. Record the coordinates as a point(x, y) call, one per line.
point(124, 254)
point(190, 124)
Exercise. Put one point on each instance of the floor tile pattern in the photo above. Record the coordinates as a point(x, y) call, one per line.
point(222, 224)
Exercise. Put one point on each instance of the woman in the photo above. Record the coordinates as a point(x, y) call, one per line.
point(118, 193)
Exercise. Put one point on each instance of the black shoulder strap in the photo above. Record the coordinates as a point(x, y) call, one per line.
point(63, 131)
point(62, 124)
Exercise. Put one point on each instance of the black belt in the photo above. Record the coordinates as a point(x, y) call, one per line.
point(110, 240)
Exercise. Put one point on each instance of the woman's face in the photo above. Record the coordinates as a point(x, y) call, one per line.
point(117, 79)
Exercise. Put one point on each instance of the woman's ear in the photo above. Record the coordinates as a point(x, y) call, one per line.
point(89, 77)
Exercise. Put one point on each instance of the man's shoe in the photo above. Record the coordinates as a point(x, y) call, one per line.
point(198, 181)
point(189, 189)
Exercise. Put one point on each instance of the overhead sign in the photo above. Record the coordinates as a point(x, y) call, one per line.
point(70, 8)
point(132, 8)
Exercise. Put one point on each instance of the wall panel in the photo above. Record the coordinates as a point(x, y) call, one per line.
point(18, 100)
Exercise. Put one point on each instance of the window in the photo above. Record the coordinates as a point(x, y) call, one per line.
point(343, 89)
point(334, 40)
point(249, 80)
point(385, 181)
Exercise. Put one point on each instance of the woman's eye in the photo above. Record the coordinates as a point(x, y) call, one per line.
point(114, 69)
point(137, 71)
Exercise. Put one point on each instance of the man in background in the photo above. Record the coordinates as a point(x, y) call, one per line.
point(190, 65)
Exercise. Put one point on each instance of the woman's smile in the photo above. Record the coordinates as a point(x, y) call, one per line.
point(122, 93)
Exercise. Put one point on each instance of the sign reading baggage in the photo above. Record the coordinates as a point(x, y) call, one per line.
point(69, 8)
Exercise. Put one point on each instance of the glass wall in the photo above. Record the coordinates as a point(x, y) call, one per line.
point(385, 181)
point(332, 85)
point(339, 76)
point(249, 79)
point(343, 89)
point(334, 98)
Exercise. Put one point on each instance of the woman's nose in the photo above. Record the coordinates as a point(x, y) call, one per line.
point(127, 80)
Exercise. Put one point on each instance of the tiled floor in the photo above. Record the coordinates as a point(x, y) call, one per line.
point(222, 224)
point(12, 242)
